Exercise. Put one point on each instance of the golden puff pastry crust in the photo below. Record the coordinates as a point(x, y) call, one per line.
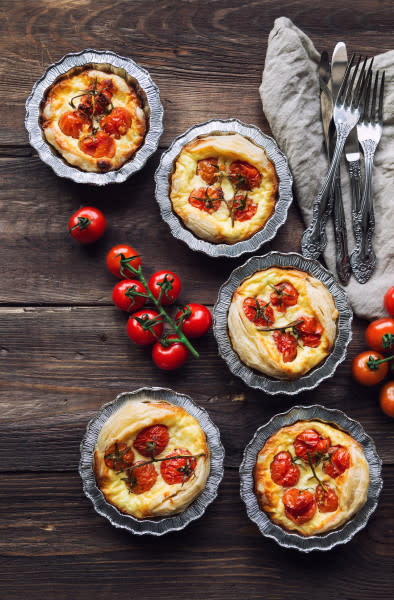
point(350, 487)
point(184, 432)
point(124, 97)
point(262, 350)
point(255, 200)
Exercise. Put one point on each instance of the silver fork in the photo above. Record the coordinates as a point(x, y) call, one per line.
point(346, 115)
point(369, 130)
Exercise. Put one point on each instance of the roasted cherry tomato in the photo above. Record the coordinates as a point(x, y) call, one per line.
point(244, 176)
point(258, 311)
point(206, 199)
point(119, 456)
point(98, 145)
point(310, 445)
point(141, 479)
point(165, 286)
point(169, 355)
point(197, 322)
point(178, 470)
point(284, 295)
point(286, 344)
point(145, 327)
point(244, 208)
point(117, 123)
point(152, 440)
point(300, 505)
point(369, 375)
point(326, 499)
point(310, 331)
point(87, 225)
point(283, 471)
point(338, 463)
point(380, 335)
point(386, 398)
point(126, 295)
point(208, 170)
point(389, 301)
point(98, 101)
point(118, 265)
point(73, 122)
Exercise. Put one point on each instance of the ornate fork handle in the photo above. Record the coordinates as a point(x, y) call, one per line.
point(342, 253)
point(354, 168)
point(314, 238)
point(363, 258)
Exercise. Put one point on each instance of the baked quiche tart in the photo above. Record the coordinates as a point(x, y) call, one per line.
point(151, 459)
point(311, 477)
point(282, 322)
point(94, 119)
point(223, 188)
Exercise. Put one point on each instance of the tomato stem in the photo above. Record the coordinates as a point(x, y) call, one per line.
point(373, 363)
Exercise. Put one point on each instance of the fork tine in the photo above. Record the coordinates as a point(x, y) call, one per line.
point(380, 109)
point(365, 101)
point(373, 102)
point(351, 84)
point(342, 89)
point(361, 83)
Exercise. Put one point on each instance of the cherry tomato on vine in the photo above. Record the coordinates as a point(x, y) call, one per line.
point(283, 471)
point(300, 505)
point(380, 335)
point(152, 440)
point(118, 265)
point(144, 327)
point(87, 225)
point(168, 355)
point(386, 398)
point(125, 295)
point(389, 301)
point(141, 477)
point(197, 322)
point(366, 375)
point(167, 284)
point(178, 470)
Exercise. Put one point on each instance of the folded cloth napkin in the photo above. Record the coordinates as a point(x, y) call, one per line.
point(291, 102)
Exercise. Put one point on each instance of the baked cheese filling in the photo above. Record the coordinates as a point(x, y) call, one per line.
point(282, 322)
point(95, 120)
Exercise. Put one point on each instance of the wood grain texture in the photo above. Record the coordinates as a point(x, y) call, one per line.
point(63, 346)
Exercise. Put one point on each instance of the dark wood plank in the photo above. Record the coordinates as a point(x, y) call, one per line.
point(60, 548)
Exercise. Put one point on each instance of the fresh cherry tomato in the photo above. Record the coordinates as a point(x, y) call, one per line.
point(171, 356)
point(125, 295)
point(286, 344)
point(141, 479)
point(310, 445)
point(258, 311)
point(244, 176)
point(152, 440)
point(98, 145)
point(283, 471)
point(300, 505)
point(119, 456)
point(284, 295)
point(206, 199)
point(338, 463)
point(73, 122)
point(244, 208)
point(326, 499)
point(380, 335)
point(386, 398)
point(118, 266)
point(310, 331)
point(369, 375)
point(117, 123)
point(208, 170)
point(141, 324)
point(197, 322)
point(166, 284)
point(178, 470)
point(87, 225)
point(389, 301)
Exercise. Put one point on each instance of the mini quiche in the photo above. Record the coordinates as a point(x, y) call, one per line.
point(94, 119)
point(224, 188)
point(282, 322)
point(311, 477)
point(151, 459)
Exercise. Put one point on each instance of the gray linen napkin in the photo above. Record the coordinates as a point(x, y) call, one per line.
point(291, 102)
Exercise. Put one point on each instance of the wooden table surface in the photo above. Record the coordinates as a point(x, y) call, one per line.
point(64, 350)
